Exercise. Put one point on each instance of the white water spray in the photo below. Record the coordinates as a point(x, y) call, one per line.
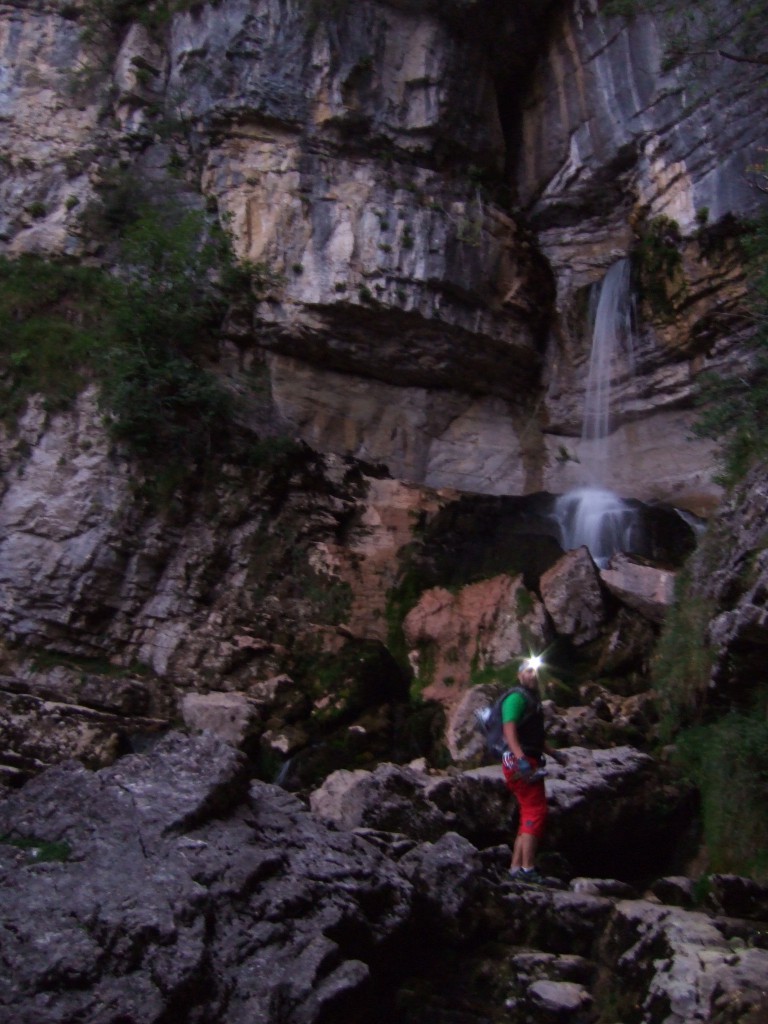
point(593, 515)
point(600, 519)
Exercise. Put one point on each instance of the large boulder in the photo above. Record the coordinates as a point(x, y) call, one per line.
point(604, 808)
point(645, 588)
point(179, 891)
point(574, 597)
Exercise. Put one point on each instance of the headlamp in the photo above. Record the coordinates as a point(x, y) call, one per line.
point(535, 662)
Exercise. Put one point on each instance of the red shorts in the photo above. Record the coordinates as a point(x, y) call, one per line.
point(532, 798)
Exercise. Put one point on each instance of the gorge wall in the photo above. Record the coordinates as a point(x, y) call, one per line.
point(432, 193)
point(424, 197)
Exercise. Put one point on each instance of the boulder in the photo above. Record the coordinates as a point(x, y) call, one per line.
point(573, 596)
point(738, 897)
point(613, 813)
point(603, 719)
point(696, 972)
point(233, 717)
point(674, 890)
point(447, 874)
point(604, 808)
point(556, 1000)
point(36, 732)
point(180, 892)
point(463, 736)
point(391, 798)
point(602, 887)
point(648, 590)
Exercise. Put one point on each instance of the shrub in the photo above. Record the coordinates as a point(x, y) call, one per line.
point(735, 407)
point(53, 321)
point(728, 761)
point(659, 260)
point(682, 661)
point(144, 334)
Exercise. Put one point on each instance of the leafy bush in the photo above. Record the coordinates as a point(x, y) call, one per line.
point(660, 264)
point(103, 19)
point(735, 407)
point(143, 333)
point(682, 661)
point(728, 761)
point(53, 322)
point(166, 312)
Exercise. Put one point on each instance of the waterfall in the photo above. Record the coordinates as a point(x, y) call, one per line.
point(591, 514)
point(600, 519)
point(612, 338)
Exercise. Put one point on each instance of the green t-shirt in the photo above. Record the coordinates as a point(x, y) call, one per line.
point(513, 708)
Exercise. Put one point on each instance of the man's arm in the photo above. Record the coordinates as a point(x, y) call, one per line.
point(512, 739)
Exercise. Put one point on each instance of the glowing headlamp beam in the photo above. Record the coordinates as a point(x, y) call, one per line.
point(535, 662)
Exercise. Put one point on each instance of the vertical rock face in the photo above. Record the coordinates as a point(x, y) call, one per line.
point(362, 156)
point(424, 196)
point(607, 124)
point(45, 130)
point(617, 144)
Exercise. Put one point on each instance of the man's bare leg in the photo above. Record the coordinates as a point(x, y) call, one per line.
point(524, 851)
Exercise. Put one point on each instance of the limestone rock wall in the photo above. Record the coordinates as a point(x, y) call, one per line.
point(425, 196)
point(615, 136)
point(426, 193)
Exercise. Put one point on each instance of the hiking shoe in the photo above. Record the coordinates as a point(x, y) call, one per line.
point(532, 877)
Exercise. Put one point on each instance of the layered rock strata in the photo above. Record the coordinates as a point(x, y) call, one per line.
point(367, 160)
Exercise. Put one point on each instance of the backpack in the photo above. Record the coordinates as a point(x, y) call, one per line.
point(490, 723)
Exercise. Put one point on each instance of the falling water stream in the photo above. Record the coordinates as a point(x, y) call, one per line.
point(592, 515)
point(612, 341)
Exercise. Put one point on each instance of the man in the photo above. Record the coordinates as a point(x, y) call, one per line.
point(523, 727)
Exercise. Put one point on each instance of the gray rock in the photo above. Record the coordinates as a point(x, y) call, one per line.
point(609, 887)
point(738, 897)
point(183, 893)
point(447, 874)
point(573, 596)
point(233, 717)
point(559, 998)
point(390, 798)
point(675, 891)
point(648, 590)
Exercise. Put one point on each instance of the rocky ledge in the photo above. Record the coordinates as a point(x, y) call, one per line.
point(171, 887)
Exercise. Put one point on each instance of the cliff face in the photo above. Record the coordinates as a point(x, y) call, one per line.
point(618, 142)
point(375, 160)
point(425, 196)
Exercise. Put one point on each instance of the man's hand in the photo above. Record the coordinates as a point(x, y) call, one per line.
point(520, 767)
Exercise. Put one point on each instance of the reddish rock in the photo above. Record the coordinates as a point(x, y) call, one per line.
point(485, 624)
